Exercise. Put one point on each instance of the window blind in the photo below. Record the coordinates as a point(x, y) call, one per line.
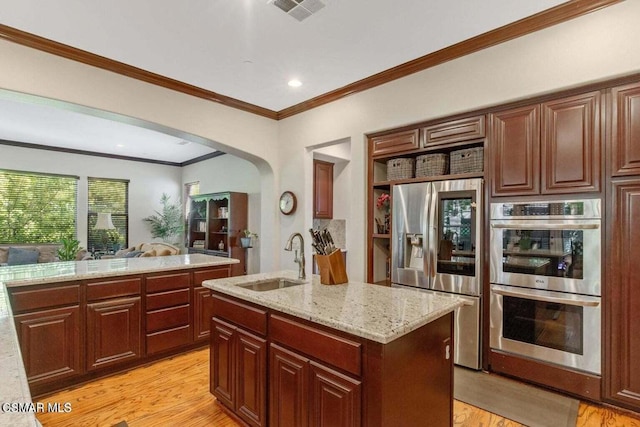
point(36, 207)
point(108, 196)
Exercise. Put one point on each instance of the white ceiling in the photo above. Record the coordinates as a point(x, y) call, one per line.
point(245, 49)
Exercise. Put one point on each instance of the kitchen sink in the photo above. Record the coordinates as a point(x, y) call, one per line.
point(271, 284)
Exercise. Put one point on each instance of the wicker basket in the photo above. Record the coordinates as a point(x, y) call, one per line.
point(467, 160)
point(400, 168)
point(432, 164)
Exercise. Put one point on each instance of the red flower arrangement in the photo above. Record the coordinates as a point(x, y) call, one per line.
point(383, 201)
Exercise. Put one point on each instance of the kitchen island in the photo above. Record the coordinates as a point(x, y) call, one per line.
point(312, 354)
point(70, 318)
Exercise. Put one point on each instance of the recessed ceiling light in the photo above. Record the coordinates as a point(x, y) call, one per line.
point(119, 145)
point(295, 83)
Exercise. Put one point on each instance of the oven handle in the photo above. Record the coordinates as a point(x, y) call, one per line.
point(548, 226)
point(546, 298)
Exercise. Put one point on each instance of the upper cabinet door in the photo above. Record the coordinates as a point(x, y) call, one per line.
point(395, 142)
point(454, 131)
point(515, 157)
point(625, 151)
point(570, 146)
point(322, 189)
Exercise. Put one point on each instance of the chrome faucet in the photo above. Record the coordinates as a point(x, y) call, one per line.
point(299, 261)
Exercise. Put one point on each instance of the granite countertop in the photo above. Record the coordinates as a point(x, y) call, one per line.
point(14, 388)
point(377, 313)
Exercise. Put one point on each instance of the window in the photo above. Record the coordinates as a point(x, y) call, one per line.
point(108, 196)
point(37, 208)
point(190, 189)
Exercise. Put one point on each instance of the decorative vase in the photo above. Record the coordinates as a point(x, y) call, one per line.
point(245, 242)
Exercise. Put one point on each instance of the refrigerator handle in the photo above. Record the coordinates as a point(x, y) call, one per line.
point(433, 234)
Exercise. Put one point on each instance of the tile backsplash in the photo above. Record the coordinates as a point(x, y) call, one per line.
point(337, 228)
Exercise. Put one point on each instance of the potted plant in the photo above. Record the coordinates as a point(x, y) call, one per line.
point(245, 241)
point(69, 250)
point(168, 223)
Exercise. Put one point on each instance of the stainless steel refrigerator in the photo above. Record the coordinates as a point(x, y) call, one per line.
point(436, 248)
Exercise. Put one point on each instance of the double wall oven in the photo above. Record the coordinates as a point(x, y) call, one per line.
point(545, 281)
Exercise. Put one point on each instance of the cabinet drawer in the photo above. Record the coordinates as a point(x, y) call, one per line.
point(35, 299)
point(167, 282)
point(454, 131)
point(167, 318)
point(167, 299)
point(114, 288)
point(214, 273)
point(337, 351)
point(249, 317)
point(396, 142)
point(166, 340)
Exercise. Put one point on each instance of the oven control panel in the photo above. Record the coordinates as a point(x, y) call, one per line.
point(589, 208)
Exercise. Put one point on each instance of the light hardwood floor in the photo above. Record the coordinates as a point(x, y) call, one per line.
point(175, 392)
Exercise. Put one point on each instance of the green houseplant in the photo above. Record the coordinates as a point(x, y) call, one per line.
point(245, 241)
point(168, 223)
point(69, 250)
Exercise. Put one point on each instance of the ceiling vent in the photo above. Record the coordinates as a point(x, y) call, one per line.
point(299, 9)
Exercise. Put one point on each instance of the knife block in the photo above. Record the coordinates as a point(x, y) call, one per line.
point(332, 268)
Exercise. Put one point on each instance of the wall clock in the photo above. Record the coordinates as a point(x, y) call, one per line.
point(287, 203)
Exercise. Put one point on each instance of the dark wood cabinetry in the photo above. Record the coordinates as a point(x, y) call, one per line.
point(114, 322)
point(625, 132)
point(239, 372)
point(238, 360)
point(71, 332)
point(215, 225)
point(51, 344)
point(113, 332)
point(318, 376)
point(322, 189)
point(515, 151)
point(548, 148)
point(622, 341)
point(49, 324)
point(168, 316)
point(396, 142)
point(453, 131)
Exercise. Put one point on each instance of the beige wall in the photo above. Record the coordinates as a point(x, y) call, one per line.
point(594, 47)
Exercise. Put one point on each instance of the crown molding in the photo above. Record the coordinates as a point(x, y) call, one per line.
point(539, 21)
point(66, 51)
point(564, 12)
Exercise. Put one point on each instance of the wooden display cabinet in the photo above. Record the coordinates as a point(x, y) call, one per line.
point(215, 225)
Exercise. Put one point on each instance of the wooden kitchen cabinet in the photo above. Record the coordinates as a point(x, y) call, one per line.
point(239, 360)
point(448, 132)
point(49, 325)
point(114, 322)
point(114, 332)
point(202, 302)
point(322, 189)
point(622, 296)
point(288, 388)
point(238, 371)
point(515, 151)
point(396, 142)
point(168, 317)
point(549, 148)
point(625, 130)
point(50, 342)
point(318, 376)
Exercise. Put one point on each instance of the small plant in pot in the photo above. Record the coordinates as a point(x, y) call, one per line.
point(69, 250)
point(245, 239)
